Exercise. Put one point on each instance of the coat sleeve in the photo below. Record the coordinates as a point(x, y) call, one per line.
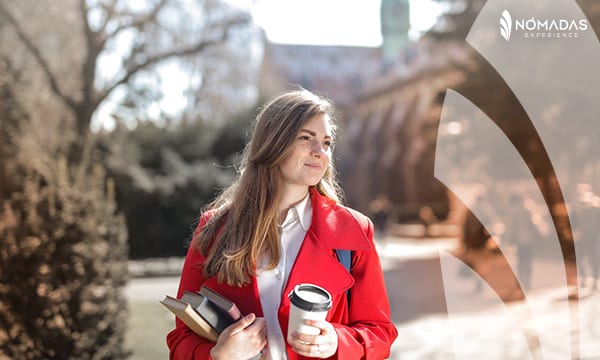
point(183, 343)
point(370, 331)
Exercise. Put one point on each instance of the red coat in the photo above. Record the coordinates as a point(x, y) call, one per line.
point(364, 331)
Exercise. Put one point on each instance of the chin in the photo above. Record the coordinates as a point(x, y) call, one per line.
point(314, 183)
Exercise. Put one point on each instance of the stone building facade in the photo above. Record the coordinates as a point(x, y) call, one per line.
point(390, 132)
point(388, 107)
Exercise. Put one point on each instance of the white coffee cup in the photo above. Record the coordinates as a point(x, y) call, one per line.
point(307, 301)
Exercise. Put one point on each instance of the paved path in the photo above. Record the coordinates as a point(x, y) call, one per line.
point(480, 325)
point(151, 289)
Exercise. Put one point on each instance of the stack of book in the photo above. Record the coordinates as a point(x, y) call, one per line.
point(206, 312)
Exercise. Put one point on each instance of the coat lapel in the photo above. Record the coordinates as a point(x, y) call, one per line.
point(336, 226)
point(317, 265)
point(332, 227)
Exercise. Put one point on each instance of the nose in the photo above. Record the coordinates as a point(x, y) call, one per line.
point(318, 149)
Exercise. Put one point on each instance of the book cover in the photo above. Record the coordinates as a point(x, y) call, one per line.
point(214, 315)
point(221, 302)
point(186, 313)
point(204, 316)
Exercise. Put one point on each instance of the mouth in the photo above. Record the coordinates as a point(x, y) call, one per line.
point(314, 166)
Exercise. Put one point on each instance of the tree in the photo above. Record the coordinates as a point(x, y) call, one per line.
point(63, 249)
point(164, 177)
point(155, 33)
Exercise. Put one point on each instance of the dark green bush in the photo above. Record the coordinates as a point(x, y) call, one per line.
point(165, 176)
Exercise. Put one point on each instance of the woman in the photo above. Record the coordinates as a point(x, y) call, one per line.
point(277, 226)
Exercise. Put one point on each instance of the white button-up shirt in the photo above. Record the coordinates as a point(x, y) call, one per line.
point(272, 282)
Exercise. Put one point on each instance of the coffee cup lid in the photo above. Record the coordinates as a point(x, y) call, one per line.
point(320, 302)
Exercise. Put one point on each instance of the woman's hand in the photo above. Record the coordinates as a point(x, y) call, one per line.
point(322, 346)
point(241, 340)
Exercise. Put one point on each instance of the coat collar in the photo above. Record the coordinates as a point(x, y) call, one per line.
point(337, 227)
point(333, 227)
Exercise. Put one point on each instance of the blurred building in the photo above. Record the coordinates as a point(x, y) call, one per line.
point(389, 102)
point(390, 132)
point(336, 72)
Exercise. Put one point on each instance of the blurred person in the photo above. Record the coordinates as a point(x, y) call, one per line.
point(427, 218)
point(276, 226)
point(474, 235)
point(521, 232)
point(480, 242)
point(586, 214)
point(474, 238)
point(380, 209)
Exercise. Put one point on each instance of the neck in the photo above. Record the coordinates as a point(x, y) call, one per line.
point(291, 196)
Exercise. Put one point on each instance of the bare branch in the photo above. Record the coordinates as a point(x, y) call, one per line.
point(139, 21)
point(153, 60)
point(103, 37)
point(83, 7)
point(110, 12)
point(93, 44)
point(38, 57)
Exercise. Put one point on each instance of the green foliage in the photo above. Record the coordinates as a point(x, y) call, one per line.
point(165, 176)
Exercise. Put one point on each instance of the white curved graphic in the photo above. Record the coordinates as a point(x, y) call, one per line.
point(469, 160)
point(554, 76)
point(505, 25)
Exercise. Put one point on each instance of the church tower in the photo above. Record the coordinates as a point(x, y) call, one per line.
point(395, 23)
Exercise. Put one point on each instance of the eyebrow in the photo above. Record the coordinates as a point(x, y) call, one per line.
point(312, 133)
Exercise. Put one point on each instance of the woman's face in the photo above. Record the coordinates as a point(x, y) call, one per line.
point(310, 154)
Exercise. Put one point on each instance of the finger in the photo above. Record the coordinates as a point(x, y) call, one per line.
point(299, 345)
point(259, 322)
point(300, 338)
point(305, 348)
point(304, 338)
point(315, 350)
point(257, 331)
point(263, 332)
point(257, 326)
point(243, 323)
point(322, 325)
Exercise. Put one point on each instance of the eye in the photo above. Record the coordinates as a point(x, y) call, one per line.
point(327, 143)
point(304, 137)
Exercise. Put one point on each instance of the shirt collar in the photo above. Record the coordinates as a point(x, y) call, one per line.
point(301, 212)
point(304, 210)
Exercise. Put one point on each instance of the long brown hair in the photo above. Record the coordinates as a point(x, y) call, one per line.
point(243, 225)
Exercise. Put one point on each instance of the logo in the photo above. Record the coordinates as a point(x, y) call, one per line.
point(505, 25)
point(541, 28)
